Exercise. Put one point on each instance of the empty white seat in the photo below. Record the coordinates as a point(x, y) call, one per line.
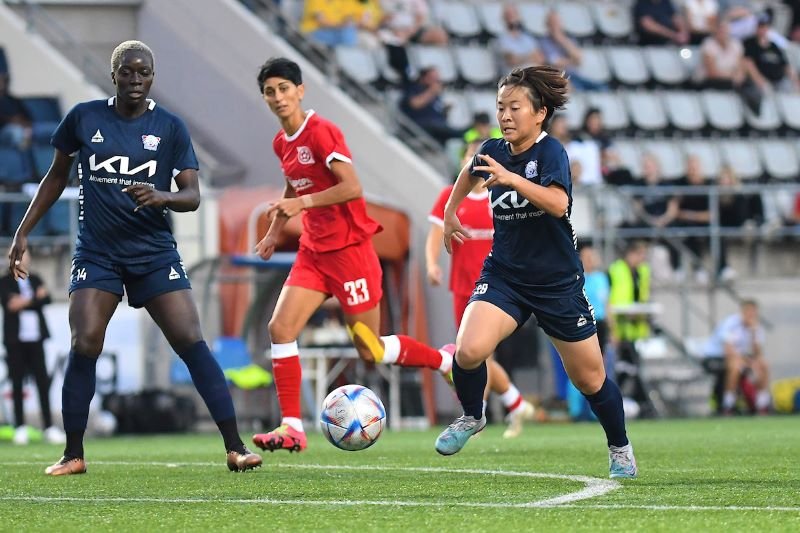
point(459, 115)
point(789, 107)
point(723, 110)
point(684, 110)
point(422, 56)
point(743, 157)
point(613, 19)
point(646, 110)
point(483, 102)
point(594, 66)
point(768, 118)
point(490, 15)
point(582, 217)
point(458, 18)
point(665, 64)
point(627, 64)
point(533, 17)
point(476, 64)
point(670, 157)
point(575, 110)
point(358, 63)
point(630, 155)
point(780, 158)
point(611, 105)
point(708, 152)
point(576, 19)
point(382, 61)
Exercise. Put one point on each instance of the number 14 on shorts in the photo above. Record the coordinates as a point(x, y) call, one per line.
point(359, 293)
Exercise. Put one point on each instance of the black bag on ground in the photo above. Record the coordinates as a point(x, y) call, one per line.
point(151, 411)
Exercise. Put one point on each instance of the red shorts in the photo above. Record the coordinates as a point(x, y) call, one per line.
point(353, 275)
point(460, 302)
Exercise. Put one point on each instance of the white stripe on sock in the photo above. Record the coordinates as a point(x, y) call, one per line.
point(294, 423)
point(282, 351)
point(510, 396)
point(391, 349)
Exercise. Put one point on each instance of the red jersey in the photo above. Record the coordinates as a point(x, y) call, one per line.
point(305, 160)
point(475, 215)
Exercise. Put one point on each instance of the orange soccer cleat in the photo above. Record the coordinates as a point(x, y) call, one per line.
point(284, 437)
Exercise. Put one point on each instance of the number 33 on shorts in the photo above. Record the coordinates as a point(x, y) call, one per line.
point(359, 293)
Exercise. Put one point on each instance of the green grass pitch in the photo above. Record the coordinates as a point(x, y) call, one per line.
point(695, 475)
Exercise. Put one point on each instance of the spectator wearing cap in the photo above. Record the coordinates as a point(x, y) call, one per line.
point(481, 129)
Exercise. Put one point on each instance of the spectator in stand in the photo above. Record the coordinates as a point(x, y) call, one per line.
point(584, 157)
point(331, 22)
point(562, 52)
point(408, 21)
point(658, 23)
point(482, 129)
point(739, 339)
point(735, 208)
point(369, 20)
point(423, 103)
point(701, 18)
point(695, 211)
point(766, 63)
point(722, 60)
point(594, 128)
point(15, 122)
point(794, 28)
point(517, 46)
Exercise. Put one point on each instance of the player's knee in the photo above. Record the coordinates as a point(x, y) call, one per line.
point(280, 332)
point(589, 381)
point(87, 344)
point(470, 355)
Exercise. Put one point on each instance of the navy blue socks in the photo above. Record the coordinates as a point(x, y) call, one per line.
point(606, 404)
point(470, 385)
point(76, 395)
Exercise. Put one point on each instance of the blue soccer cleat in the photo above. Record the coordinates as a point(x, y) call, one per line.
point(621, 462)
point(452, 439)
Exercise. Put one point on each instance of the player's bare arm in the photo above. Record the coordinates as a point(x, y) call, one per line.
point(433, 249)
point(49, 191)
point(553, 198)
point(187, 197)
point(453, 230)
point(266, 246)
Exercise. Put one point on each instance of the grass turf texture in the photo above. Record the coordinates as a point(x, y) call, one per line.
point(708, 475)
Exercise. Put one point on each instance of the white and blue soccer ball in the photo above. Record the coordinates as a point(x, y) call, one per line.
point(352, 418)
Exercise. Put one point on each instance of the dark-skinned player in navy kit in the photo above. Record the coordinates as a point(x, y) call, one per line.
point(534, 265)
point(129, 151)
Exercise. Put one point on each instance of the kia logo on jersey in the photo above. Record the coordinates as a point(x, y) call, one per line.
point(304, 156)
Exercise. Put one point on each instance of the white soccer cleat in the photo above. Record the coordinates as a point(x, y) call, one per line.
point(516, 419)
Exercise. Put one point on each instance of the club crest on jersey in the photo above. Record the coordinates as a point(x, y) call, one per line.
point(304, 155)
point(150, 142)
point(531, 169)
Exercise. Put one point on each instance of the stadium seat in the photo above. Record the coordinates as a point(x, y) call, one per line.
point(670, 157)
point(476, 64)
point(14, 166)
point(459, 19)
point(665, 65)
point(646, 110)
point(534, 16)
point(459, 115)
point(576, 19)
point(627, 65)
point(57, 218)
point(789, 107)
point(42, 157)
point(388, 74)
point(723, 110)
point(613, 20)
point(483, 101)
point(780, 158)
point(684, 110)
point(743, 157)
point(594, 65)
point(612, 106)
point(422, 56)
point(768, 119)
point(582, 217)
point(358, 63)
point(43, 108)
point(575, 110)
point(708, 152)
point(17, 211)
point(630, 154)
point(491, 16)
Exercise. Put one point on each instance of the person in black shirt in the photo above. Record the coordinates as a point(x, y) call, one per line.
point(766, 63)
point(423, 103)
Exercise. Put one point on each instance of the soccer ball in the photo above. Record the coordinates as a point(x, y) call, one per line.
point(352, 417)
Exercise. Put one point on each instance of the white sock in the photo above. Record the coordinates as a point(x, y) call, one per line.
point(762, 399)
point(485, 403)
point(391, 349)
point(447, 361)
point(510, 397)
point(728, 400)
point(294, 423)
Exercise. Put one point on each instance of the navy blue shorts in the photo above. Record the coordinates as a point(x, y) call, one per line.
point(569, 318)
point(142, 282)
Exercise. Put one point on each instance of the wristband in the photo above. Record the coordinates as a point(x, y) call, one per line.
point(307, 201)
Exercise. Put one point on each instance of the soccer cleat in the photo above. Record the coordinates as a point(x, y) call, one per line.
point(524, 412)
point(21, 436)
point(284, 437)
point(54, 435)
point(240, 462)
point(452, 439)
point(621, 462)
point(447, 370)
point(66, 467)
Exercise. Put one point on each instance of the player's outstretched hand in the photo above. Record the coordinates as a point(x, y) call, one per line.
point(287, 207)
point(266, 247)
point(15, 253)
point(453, 231)
point(146, 196)
point(498, 175)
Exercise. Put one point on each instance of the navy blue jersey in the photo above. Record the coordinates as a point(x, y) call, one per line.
point(531, 248)
point(114, 152)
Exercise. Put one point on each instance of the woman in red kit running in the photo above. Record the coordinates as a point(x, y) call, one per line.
point(336, 256)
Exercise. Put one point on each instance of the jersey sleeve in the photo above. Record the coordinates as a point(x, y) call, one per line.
point(65, 139)
point(329, 144)
point(554, 168)
point(478, 162)
point(182, 150)
point(436, 215)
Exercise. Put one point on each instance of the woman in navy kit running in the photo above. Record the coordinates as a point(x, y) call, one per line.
point(533, 266)
point(129, 152)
